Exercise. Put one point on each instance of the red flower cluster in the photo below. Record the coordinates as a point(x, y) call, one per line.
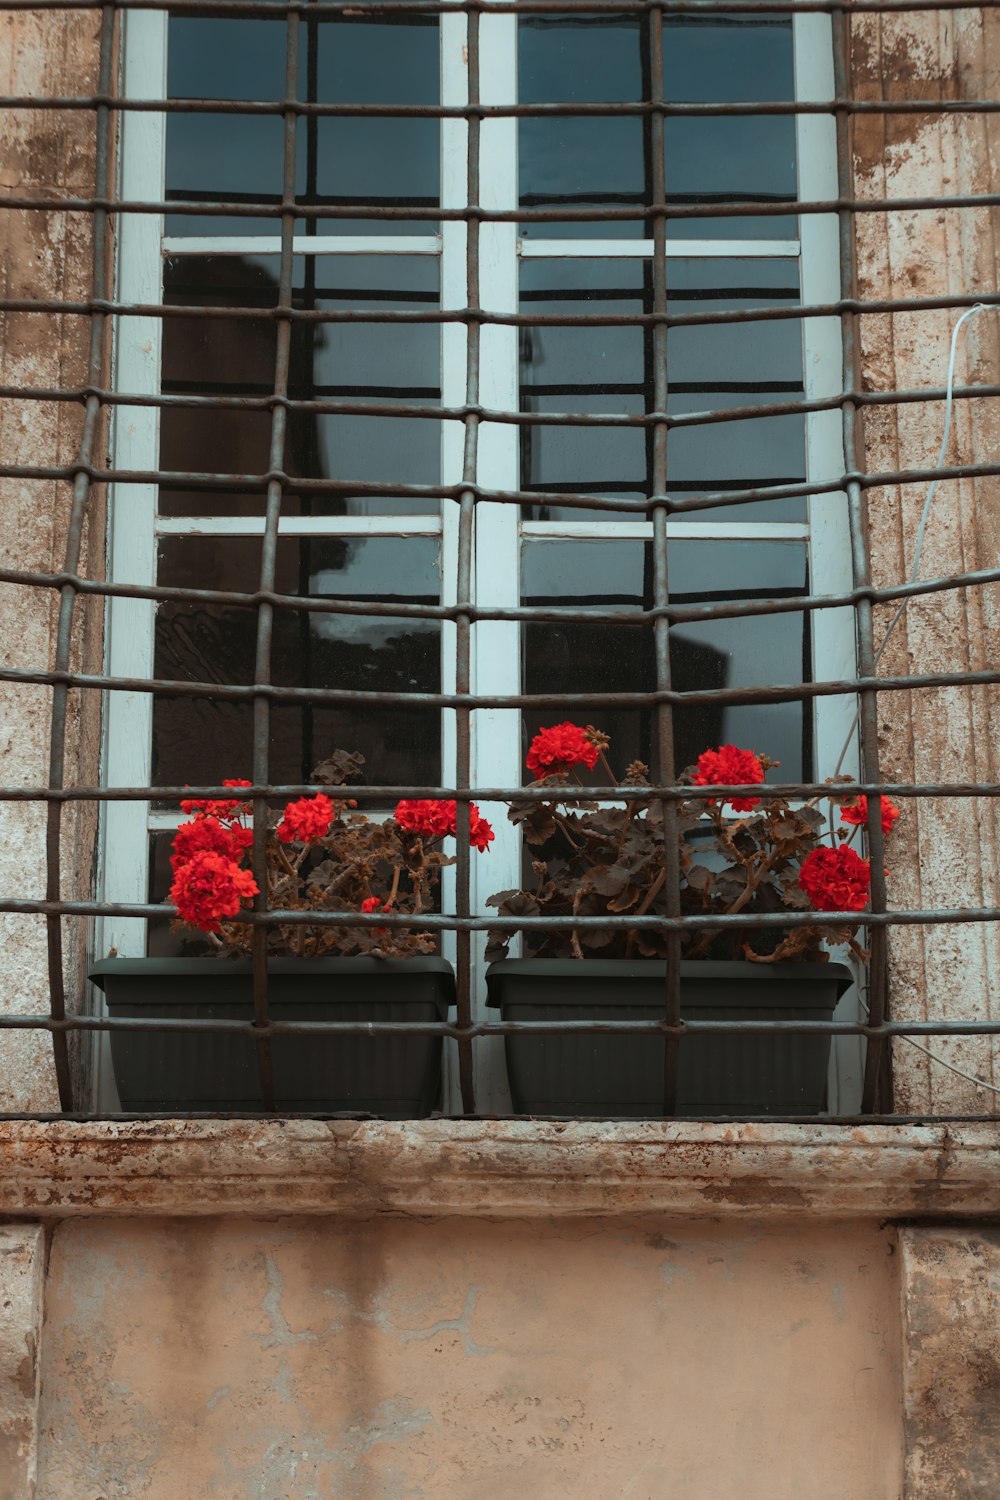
point(226, 811)
point(729, 766)
point(561, 746)
point(372, 903)
point(857, 812)
point(208, 887)
point(307, 820)
point(436, 820)
point(207, 834)
point(836, 879)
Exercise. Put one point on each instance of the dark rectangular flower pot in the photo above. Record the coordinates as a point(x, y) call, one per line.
point(395, 1075)
point(725, 1073)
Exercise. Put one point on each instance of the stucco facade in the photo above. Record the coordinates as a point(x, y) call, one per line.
point(469, 1311)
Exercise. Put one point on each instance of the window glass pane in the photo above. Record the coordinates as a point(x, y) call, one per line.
point(587, 370)
point(200, 740)
point(377, 362)
point(709, 368)
point(607, 161)
point(729, 59)
point(580, 161)
point(370, 161)
point(752, 651)
point(712, 367)
point(367, 160)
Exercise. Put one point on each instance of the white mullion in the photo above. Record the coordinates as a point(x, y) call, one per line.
point(642, 249)
point(324, 526)
point(347, 244)
point(833, 642)
point(454, 295)
point(129, 716)
point(497, 737)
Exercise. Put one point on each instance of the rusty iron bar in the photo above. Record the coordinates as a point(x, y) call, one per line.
point(660, 109)
point(679, 792)
point(657, 439)
point(416, 412)
point(794, 692)
point(268, 570)
point(676, 614)
point(794, 311)
point(331, 9)
point(569, 499)
point(432, 921)
point(275, 209)
point(250, 1029)
point(464, 583)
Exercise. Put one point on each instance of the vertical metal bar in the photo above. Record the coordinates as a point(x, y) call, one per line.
point(268, 561)
point(463, 597)
point(661, 584)
point(99, 328)
point(857, 512)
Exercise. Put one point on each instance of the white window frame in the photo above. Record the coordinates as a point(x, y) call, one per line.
point(496, 740)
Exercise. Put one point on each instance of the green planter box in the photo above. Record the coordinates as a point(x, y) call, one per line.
point(622, 1076)
point(397, 1076)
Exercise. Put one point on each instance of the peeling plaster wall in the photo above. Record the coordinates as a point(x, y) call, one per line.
point(944, 854)
point(43, 255)
point(305, 1360)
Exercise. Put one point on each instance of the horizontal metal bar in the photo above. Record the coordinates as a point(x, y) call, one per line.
point(316, 696)
point(538, 109)
point(798, 1027)
point(566, 213)
point(677, 792)
point(780, 313)
point(435, 922)
point(278, 10)
point(676, 614)
point(711, 501)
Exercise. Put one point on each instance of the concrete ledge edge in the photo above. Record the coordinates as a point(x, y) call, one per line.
point(500, 1169)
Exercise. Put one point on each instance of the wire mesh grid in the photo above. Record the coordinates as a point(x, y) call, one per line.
point(107, 209)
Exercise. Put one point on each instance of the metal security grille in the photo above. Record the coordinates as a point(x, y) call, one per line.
point(287, 214)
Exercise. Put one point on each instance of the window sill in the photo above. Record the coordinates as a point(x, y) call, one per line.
point(496, 1169)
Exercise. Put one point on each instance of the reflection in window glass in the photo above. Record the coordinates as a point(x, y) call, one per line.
point(607, 161)
point(202, 739)
point(712, 367)
point(222, 158)
point(378, 362)
point(709, 368)
point(752, 651)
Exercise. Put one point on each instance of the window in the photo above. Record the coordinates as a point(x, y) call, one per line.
point(619, 356)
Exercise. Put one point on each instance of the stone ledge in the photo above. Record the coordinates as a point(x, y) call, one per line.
point(496, 1169)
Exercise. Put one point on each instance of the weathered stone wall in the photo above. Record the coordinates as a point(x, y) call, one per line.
point(463, 1360)
point(43, 255)
point(943, 853)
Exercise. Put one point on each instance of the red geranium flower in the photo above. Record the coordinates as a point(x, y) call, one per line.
point(437, 819)
point(729, 766)
point(836, 879)
point(481, 835)
point(560, 746)
point(210, 808)
point(857, 812)
point(432, 820)
point(209, 834)
point(306, 820)
point(208, 887)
